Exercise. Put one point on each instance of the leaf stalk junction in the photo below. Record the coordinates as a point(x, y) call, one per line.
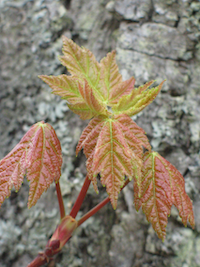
point(68, 224)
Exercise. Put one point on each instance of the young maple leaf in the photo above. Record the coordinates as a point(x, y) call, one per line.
point(113, 150)
point(137, 100)
point(38, 155)
point(80, 96)
point(113, 144)
point(162, 185)
point(80, 62)
point(111, 85)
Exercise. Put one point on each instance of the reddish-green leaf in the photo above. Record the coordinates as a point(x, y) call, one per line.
point(64, 86)
point(137, 100)
point(88, 140)
point(119, 90)
point(110, 84)
point(39, 153)
point(162, 185)
point(113, 150)
point(112, 159)
point(44, 161)
point(12, 170)
point(135, 135)
point(93, 88)
point(81, 63)
point(110, 76)
point(91, 106)
point(80, 96)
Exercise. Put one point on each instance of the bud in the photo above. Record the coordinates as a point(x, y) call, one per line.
point(63, 233)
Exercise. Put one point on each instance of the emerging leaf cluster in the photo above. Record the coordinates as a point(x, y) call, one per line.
point(112, 142)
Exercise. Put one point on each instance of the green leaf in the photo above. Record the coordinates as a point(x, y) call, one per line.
point(80, 96)
point(110, 76)
point(81, 63)
point(137, 100)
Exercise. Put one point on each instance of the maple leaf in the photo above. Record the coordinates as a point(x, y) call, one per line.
point(110, 84)
point(81, 63)
point(110, 75)
point(162, 185)
point(137, 100)
point(93, 88)
point(114, 150)
point(80, 96)
point(39, 154)
point(88, 140)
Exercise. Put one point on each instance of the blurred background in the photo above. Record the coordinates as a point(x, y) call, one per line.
point(154, 39)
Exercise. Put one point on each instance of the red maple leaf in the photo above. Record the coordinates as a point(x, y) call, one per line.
point(162, 186)
point(38, 155)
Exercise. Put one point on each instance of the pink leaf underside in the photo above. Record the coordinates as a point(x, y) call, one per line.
point(161, 186)
point(23, 157)
point(113, 150)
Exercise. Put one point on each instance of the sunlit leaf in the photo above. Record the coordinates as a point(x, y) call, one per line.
point(80, 96)
point(64, 86)
point(110, 76)
point(81, 62)
point(137, 100)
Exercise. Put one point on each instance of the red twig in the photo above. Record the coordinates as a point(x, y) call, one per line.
point(80, 198)
point(37, 262)
point(97, 207)
point(45, 256)
point(60, 201)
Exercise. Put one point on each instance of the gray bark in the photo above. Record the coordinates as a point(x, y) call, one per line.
point(154, 40)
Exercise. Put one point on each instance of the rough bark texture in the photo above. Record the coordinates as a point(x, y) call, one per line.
point(154, 39)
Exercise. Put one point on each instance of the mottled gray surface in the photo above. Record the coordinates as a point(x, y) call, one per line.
point(154, 39)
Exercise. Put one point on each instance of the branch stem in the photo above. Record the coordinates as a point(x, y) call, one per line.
point(45, 256)
point(98, 207)
point(60, 201)
point(80, 198)
point(37, 262)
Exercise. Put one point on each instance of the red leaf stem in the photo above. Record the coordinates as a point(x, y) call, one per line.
point(60, 201)
point(80, 198)
point(98, 207)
